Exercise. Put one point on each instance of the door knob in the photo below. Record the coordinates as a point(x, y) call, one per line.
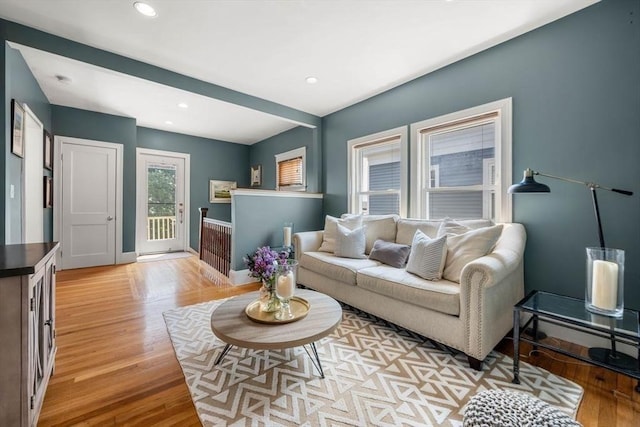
point(109, 218)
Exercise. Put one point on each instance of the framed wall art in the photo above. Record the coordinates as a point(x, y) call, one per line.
point(48, 151)
point(17, 128)
point(256, 176)
point(48, 192)
point(220, 191)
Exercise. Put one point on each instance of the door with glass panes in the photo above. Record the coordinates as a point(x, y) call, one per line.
point(161, 212)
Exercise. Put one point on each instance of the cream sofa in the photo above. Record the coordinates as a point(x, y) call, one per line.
point(471, 316)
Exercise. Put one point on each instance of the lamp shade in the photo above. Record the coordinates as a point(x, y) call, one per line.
point(528, 185)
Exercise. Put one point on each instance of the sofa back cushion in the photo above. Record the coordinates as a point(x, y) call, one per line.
point(350, 243)
point(407, 228)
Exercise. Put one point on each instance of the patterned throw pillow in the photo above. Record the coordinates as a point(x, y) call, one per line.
point(393, 254)
point(427, 256)
point(350, 243)
point(331, 230)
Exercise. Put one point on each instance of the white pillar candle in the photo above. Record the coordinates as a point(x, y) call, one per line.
point(286, 285)
point(604, 286)
point(287, 236)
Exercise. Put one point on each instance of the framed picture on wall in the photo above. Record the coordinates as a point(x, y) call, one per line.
point(220, 191)
point(256, 176)
point(17, 128)
point(48, 151)
point(48, 192)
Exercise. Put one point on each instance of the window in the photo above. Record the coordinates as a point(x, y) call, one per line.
point(461, 164)
point(378, 173)
point(291, 170)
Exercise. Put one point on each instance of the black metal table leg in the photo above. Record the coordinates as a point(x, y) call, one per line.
point(315, 356)
point(516, 346)
point(221, 356)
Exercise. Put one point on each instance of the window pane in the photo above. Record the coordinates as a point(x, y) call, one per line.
point(381, 167)
point(384, 204)
point(458, 156)
point(458, 205)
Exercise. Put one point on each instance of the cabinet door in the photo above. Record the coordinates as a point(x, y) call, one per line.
point(36, 339)
point(49, 302)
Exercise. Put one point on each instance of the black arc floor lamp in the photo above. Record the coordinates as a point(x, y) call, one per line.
point(529, 185)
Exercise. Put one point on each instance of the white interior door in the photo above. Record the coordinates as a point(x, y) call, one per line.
point(88, 204)
point(33, 213)
point(162, 207)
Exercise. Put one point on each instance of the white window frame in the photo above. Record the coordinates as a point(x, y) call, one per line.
point(503, 159)
point(355, 169)
point(288, 155)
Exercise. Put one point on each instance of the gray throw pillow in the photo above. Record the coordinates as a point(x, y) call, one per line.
point(350, 243)
point(393, 254)
point(427, 256)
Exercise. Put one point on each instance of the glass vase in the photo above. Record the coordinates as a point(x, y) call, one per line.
point(605, 281)
point(269, 302)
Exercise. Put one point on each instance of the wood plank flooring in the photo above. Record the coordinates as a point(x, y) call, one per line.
point(115, 364)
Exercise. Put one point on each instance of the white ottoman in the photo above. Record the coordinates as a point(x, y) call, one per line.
point(508, 408)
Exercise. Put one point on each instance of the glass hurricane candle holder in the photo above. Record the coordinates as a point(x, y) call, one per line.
point(285, 288)
point(605, 277)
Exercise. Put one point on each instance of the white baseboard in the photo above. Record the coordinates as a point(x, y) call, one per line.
point(126, 258)
point(193, 251)
point(584, 339)
point(240, 277)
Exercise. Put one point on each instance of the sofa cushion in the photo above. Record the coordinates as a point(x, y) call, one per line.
point(331, 230)
point(329, 265)
point(427, 256)
point(350, 243)
point(397, 283)
point(379, 227)
point(464, 248)
point(407, 229)
point(393, 254)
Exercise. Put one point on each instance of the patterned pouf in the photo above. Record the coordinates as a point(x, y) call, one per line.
point(507, 408)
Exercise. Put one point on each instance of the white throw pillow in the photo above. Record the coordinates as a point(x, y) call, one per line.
point(466, 247)
point(350, 243)
point(331, 230)
point(427, 256)
point(449, 227)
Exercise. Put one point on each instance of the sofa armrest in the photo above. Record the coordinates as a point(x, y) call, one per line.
point(307, 241)
point(489, 288)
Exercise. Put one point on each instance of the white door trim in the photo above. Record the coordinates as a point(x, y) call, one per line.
point(57, 188)
point(28, 215)
point(140, 207)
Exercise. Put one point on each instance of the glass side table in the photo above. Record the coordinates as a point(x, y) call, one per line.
point(571, 313)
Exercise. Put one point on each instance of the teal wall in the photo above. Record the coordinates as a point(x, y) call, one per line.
point(575, 85)
point(274, 211)
point(21, 86)
point(106, 128)
point(210, 159)
point(263, 153)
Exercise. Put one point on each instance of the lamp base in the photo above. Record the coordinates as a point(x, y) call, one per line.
point(619, 361)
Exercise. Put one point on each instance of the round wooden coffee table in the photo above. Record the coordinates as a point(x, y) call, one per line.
point(230, 323)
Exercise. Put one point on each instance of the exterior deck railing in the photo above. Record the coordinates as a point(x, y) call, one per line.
point(161, 227)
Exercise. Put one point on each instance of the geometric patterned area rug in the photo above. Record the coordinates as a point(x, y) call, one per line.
point(375, 374)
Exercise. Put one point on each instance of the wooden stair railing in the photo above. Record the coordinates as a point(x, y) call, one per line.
point(215, 242)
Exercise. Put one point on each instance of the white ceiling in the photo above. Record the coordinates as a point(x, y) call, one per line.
point(356, 49)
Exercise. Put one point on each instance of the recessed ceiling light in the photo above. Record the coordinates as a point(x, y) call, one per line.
point(183, 105)
point(168, 122)
point(145, 9)
point(311, 80)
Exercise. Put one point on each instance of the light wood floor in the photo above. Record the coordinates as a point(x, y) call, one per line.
point(115, 364)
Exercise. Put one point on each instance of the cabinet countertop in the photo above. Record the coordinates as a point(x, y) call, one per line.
point(22, 259)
